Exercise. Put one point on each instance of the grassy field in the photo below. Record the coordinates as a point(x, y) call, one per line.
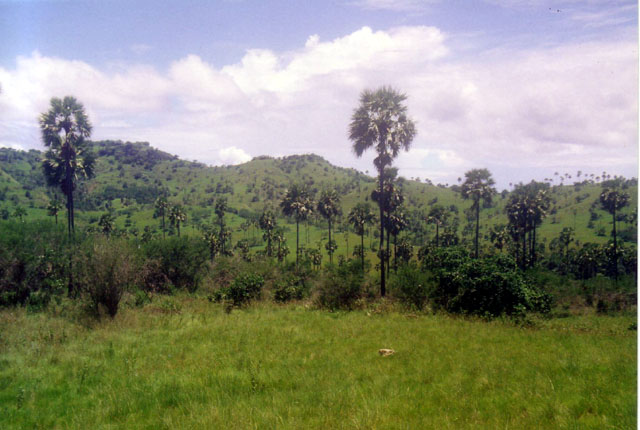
point(182, 362)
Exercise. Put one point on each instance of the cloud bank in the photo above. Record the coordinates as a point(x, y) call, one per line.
point(531, 112)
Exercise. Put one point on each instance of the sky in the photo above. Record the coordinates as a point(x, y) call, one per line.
point(525, 88)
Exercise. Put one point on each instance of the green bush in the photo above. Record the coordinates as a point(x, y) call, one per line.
point(290, 288)
point(341, 286)
point(182, 260)
point(33, 263)
point(411, 286)
point(106, 268)
point(490, 287)
point(243, 289)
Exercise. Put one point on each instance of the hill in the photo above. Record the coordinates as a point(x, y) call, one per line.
point(130, 176)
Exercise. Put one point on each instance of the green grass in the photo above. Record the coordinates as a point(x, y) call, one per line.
point(185, 363)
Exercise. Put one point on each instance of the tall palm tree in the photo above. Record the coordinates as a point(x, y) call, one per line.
point(329, 208)
point(359, 217)
point(478, 185)
point(298, 204)
point(612, 199)
point(162, 207)
point(177, 215)
point(381, 122)
point(53, 208)
point(64, 127)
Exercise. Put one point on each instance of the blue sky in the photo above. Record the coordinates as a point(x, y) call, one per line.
point(523, 87)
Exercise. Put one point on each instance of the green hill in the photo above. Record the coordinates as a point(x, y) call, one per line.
point(130, 176)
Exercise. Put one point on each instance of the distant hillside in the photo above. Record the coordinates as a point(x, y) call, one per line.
point(130, 176)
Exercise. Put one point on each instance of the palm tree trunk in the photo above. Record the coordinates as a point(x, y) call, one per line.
point(330, 248)
point(362, 249)
point(297, 241)
point(477, 226)
point(615, 246)
point(388, 253)
point(383, 285)
point(437, 232)
point(163, 229)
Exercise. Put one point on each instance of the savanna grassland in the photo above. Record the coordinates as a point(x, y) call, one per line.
point(184, 362)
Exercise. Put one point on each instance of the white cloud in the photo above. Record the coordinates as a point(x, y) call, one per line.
point(539, 110)
point(233, 155)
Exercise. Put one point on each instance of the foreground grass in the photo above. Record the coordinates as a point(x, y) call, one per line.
point(184, 363)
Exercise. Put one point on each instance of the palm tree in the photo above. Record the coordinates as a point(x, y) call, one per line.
point(107, 223)
point(478, 185)
point(19, 212)
point(612, 200)
point(213, 243)
point(219, 209)
point(64, 127)
point(177, 215)
point(360, 216)
point(53, 208)
point(437, 215)
point(329, 207)
point(162, 206)
point(267, 223)
point(381, 122)
point(298, 204)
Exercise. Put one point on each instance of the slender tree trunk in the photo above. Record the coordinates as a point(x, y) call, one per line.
point(388, 254)
point(383, 284)
point(56, 215)
point(362, 249)
point(477, 226)
point(330, 246)
point(437, 232)
point(395, 253)
point(163, 225)
point(615, 246)
point(297, 241)
point(269, 244)
point(178, 227)
point(533, 247)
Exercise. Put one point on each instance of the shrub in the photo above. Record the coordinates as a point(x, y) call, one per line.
point(182, 260)
point(290, 288)
point(490, 287)
point(341, 286)
point(411, 286)
point(33, 262)
point(242, 290)
point(106, 269)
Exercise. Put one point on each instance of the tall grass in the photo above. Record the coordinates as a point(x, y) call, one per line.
point(182, 362)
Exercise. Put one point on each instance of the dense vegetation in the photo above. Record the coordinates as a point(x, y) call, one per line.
point(147, 232)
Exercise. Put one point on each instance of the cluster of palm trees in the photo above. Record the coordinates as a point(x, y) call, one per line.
point(174, 212)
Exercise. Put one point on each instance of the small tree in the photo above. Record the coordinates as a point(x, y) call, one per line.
point(359, 217)
point(177, 216)
point(53, 208)
point(267, 223)
point(329, 208)
point(297, 203)
point(107, 223)
point(20, 212)
point(162, 207)
point(478, 185)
